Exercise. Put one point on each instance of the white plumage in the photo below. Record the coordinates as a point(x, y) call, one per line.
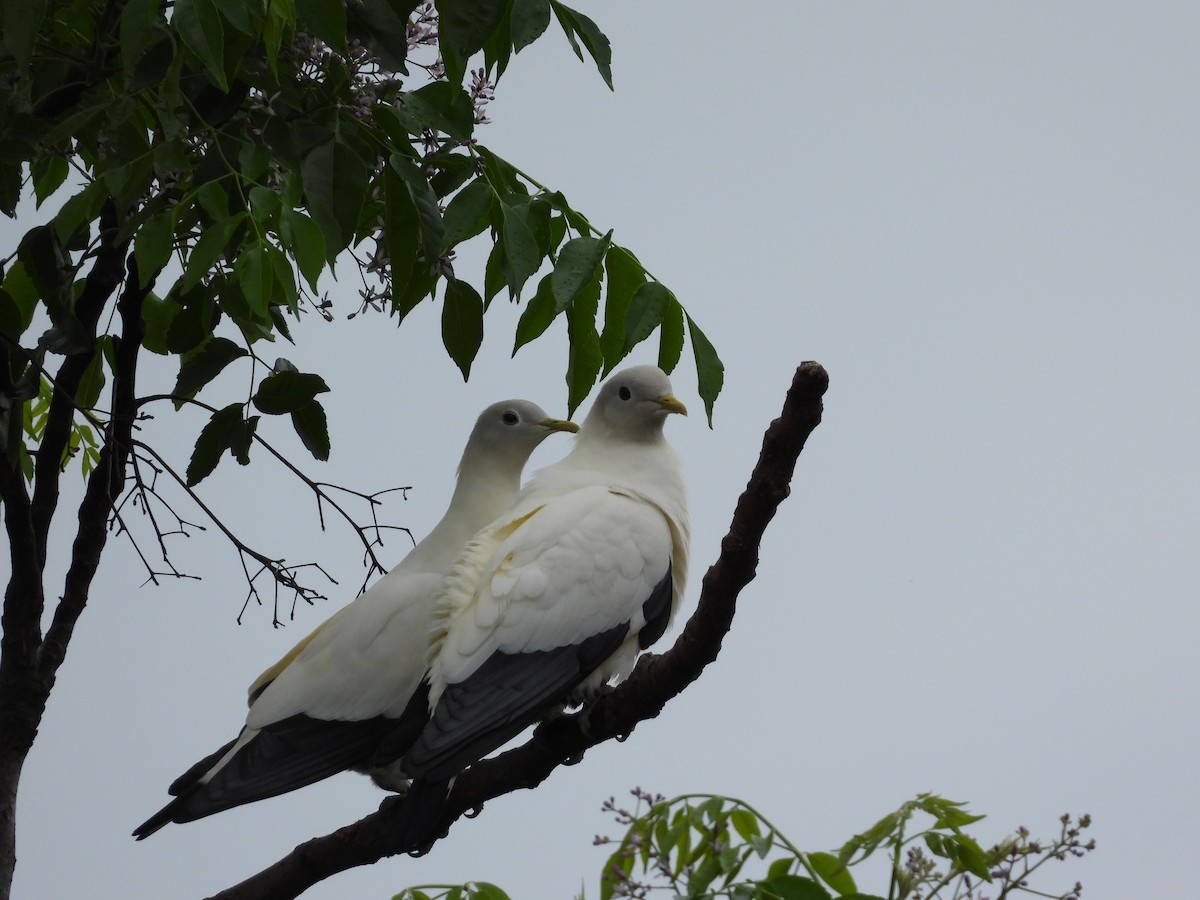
point(337, 699)
point(558, 596)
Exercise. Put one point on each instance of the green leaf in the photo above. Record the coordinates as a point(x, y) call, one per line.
point(575, 23)
point(969, 855)
point(745, 823)
point(495, 273)
point(497, 49)
point(208, 249)
point(624, 276)
point(137, 17)
point(401, 232)
point(22, 20)
point(11, 177)
point(538, 220)
point(10, 324)
point(159, 67)
point(469, 212)
point(833, 872)
point(780, 867)
point(710, 371)
point(540, 311)
point(241, 438)
point(584, 358)
point(20, 291)
point(485, 891)
point(433, 232)
point(382, 25)
point(304, 238)
point(646, 311)
point(48, 175)
point(265, 205)
point(256, 277)
point(462, 324)
point(439, 107)
point(670, 334)
point(237, 14)
point(285, 292)
point(286, 392)
point(199, 26)
point(324, 18)
point(76, 214)
point(253, 162)
point(949, 815)
point(152, 246)
point(195, 323)
point(421, 284)
point(529, 19)
point(215, 438)
point(92, 382)
point(157, 315)
point(466, 24)
point(576, 267)
point(48, 265)
point(129, 182)
point(214, 199)
point(520, 246)
point(793, 887)
point(76, 123)
point(502, 176)
point(335, 182)
point(253, 325)
point(198, 370)
point(313, 429)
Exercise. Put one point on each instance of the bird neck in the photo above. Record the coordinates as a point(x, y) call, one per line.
point(485, 488)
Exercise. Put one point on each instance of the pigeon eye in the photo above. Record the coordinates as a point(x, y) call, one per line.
point(624, 393)
point(510, 418)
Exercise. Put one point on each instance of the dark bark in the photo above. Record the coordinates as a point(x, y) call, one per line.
point(642, 696)
point(101, 283)
point(29, 662)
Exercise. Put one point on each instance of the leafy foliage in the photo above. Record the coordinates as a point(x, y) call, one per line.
point(703, 846)
point(229, 155)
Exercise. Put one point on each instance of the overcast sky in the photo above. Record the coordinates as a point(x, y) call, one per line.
point(983, 220)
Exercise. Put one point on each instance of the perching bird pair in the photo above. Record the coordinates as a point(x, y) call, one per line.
point(517, 602)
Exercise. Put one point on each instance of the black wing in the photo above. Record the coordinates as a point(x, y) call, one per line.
point(290, 754)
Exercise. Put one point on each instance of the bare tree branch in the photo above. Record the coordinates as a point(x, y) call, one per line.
point(642, 696)
point(319, 489)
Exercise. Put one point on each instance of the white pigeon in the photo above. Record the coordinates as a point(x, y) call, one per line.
point(330, 702)
point(559, 595)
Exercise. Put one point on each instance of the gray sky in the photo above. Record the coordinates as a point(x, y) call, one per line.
point(983, 220)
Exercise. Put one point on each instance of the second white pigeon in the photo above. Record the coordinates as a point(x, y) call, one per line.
point(558, 596)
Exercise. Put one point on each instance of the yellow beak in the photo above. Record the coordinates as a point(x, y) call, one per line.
point(671, 405)
point(559, 425)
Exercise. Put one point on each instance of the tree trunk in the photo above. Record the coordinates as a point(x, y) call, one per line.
point(29, 660)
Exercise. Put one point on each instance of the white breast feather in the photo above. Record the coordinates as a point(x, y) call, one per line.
point(569, 567)
point(361, 664)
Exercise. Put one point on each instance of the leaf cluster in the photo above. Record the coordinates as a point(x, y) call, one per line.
point(705, 846)
point(233, 154)
point(700, 845)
